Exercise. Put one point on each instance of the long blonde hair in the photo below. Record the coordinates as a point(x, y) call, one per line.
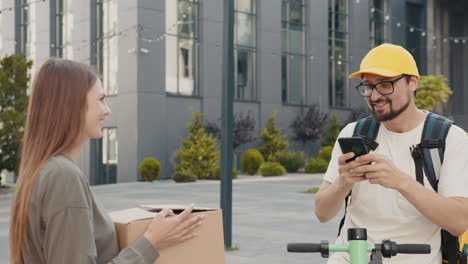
point(55, 120)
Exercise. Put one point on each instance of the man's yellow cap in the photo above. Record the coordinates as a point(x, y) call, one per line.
point(387, 60)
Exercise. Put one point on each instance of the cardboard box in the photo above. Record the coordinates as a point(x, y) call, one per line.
point(206, 248)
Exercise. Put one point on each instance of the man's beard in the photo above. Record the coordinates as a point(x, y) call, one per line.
point(388, 116)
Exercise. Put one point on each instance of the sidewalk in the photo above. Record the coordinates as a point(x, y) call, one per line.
point(267, 213)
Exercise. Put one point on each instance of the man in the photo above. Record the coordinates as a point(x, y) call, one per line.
point(386, 198)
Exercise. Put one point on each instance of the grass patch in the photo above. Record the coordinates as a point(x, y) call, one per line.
point(310, 191)
point(4, 187)
point(232, 249)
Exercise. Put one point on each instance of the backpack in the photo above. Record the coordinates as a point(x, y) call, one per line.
point(428, 157)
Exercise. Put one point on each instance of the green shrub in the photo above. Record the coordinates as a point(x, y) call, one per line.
point(184, 176)
point(199, 152)
point(316, 165)
point(432, 91)
point(332, 130)
point(251, 161)
point(271, 141)
point(272, 169)
point(326, 153)
point(150, 169)
point(216, 173)
point(291, 161)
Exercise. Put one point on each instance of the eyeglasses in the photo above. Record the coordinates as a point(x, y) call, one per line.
point(383, 88)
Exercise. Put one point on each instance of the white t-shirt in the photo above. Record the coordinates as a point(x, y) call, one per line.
point(384, 212)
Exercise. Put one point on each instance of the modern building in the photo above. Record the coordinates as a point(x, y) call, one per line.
point(162, 59)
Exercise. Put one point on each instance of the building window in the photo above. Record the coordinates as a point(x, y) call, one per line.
point(415, 43)
point(293, 51)
point(99, 36)
point(338, 14)
point(56, 28)
point(110, 154)
point(22, 21)
point(107, 44)
point(378, 22)
point(182, 47)
point(244, 49)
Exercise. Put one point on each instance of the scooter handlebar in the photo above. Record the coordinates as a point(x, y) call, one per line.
point(413, 248)
point(304, 247)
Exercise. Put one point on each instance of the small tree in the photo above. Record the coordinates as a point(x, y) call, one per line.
point(433, 90)
point(14, 79)
point(309, 126)
point(332, 130)
point(199, 152)
point(271, 143)
point(242, 130)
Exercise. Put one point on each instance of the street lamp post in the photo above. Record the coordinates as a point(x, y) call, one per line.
point(227, 111)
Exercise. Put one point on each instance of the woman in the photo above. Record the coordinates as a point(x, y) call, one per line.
point(55, 217)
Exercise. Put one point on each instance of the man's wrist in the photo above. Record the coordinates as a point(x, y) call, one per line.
point(404, 184)
point(343, 185)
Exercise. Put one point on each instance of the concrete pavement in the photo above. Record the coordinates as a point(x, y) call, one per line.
point(267, 213)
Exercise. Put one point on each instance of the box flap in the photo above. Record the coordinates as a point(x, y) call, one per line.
point(174, 207)
point(129, 215)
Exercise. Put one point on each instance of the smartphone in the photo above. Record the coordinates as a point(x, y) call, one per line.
point(353, 144)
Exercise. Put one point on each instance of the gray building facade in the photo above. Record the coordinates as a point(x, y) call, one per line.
point(162, 59)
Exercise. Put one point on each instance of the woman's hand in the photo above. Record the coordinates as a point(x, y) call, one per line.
point(168, 229)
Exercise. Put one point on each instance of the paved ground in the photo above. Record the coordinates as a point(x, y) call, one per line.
point(267, 213)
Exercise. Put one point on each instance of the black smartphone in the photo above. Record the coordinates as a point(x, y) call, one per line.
point(353, 144)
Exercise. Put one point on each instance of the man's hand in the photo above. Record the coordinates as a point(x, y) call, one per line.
point(347, 171)
point(380, 170)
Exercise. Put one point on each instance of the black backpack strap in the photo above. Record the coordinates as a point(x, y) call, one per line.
point(432, 146)
point(367, 128)
point(429, 155)
point(450, 248)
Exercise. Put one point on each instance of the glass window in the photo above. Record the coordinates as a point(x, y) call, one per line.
point(107, 167)
point(109, 45)
point(378, 22)
point(110, 152)
point(338, 52)
point(415, 44)
point(99, 36)
point(245, 49)
point(296, 82)
point(59, 28)
point(182, 47)
point(187, 14)
point(187, 69)
point(22, 21)
point(246, 6)
point(245, 74)
point(293, 48)
point(245, 29)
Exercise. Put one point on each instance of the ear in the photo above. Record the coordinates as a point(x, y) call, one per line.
point(413, 83)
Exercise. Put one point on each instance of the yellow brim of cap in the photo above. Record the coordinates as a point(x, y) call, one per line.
point(377, 71)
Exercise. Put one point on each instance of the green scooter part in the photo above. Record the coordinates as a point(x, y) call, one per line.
point(358, 249)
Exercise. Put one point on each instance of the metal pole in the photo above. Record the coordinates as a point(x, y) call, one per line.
point(93, 159)
point(226, 129)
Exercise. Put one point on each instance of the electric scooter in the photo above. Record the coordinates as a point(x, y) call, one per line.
point(358, 248)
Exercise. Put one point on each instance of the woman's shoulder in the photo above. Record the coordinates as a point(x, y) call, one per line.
point(60, 166)
point(61, 177)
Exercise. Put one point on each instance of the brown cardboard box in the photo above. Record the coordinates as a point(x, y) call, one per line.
point(206, 248)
